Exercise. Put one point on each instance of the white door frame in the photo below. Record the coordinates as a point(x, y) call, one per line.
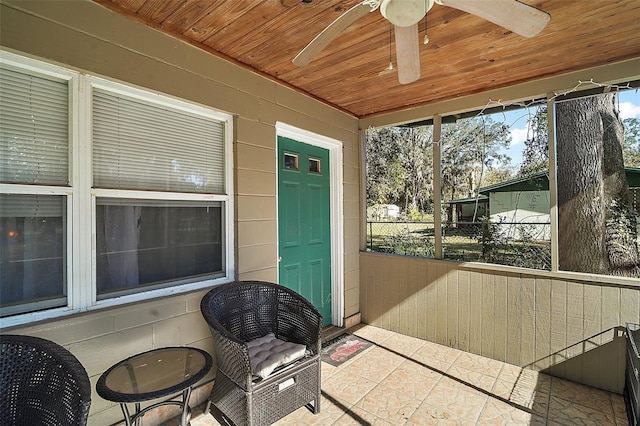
point(336, 210)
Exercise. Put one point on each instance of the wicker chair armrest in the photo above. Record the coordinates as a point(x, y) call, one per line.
point(232, 357)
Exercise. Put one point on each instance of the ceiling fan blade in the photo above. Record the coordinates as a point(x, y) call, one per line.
point(332, 31)
point(517, 17)
point(407, 54)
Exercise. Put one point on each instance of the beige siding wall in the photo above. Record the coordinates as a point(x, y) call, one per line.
point(562, 326)
point(90, 38)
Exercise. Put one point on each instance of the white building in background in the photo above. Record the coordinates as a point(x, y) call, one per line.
point(383, 212)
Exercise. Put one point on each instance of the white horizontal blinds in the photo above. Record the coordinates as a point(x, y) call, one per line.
point(34, 129)
point(36, 206)
point(137, 202)
point(140, 145)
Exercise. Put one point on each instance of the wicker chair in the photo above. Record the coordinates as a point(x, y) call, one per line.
point(242, 311)
point(41, 383)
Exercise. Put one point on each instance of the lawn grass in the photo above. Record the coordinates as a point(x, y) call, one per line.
point(460, 243)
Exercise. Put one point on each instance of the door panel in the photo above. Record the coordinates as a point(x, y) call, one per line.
point(304, 225)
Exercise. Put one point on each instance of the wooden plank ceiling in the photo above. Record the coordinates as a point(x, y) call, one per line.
point(465, 54)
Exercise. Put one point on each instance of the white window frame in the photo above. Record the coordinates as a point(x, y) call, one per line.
point(81, 196)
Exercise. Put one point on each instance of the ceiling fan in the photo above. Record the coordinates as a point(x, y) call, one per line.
point(513, 15)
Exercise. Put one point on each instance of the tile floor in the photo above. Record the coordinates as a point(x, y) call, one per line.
point(406, 381)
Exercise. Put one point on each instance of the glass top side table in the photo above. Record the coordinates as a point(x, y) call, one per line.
point(154, 374)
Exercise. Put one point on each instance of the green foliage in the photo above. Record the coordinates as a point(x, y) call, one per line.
point(413, 214)
point(622, 235)
point(385, 174)
point(535, 156)
point(631, 143)
point(409, 243)
point(490, 239)
point(469, 148)
point(399, 167)
point(497, 247)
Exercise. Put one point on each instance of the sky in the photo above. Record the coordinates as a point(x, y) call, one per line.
point(629, 104)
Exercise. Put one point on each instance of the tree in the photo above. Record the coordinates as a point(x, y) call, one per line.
point(416, 154)
point(385, 175)
point(469, 148)
point(399, 166)
point(631, 147)
point(597, 224)
point(535, 156)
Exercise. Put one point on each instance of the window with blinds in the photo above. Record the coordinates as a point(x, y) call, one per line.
point(34, 151)
point(140, 145)
point(124, 186)
point(143, 145)
point(34, 136)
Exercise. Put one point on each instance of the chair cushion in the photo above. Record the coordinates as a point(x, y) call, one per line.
point(268, 353)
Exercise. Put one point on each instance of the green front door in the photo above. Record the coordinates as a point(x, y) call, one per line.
point(304, 226)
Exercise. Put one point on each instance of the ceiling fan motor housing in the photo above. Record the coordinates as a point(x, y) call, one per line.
point(404, 13)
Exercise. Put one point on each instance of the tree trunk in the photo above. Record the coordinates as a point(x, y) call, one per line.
point(597, 224)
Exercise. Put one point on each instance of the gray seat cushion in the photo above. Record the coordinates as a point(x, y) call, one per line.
point(268, 353)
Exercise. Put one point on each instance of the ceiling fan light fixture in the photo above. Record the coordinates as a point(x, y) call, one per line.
point(404, 13)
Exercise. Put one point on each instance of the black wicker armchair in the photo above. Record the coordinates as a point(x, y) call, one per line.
point(41, 383)
point(241, 312)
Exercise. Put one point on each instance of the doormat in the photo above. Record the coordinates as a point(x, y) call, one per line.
point(342, 348)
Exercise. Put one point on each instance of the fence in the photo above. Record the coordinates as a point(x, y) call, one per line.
point(524, 244)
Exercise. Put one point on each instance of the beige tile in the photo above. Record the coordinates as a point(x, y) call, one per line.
point(450, 399)
point(328, 370)
point(414, 367)
point(530, 398)
point(477, 363)
point(622, 421)
point(330, 411)
point(427, 416)
point(390, 404)
point(509, 372)
point(374, 364)
point(413, 380)
point(506, 381)
point(371, 333)
point(498, 413)
point(436, 356)
point(472, 378)
point(525, 388)
point(358, 416)
point(581, 394)
point(534, 380)
point(404, 345)
point(619, 410)
point(569, 413)
point(503, 389)
point(347, 387)
point(404, 384)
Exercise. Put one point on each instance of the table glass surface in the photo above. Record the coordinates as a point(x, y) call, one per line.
point(156, 370)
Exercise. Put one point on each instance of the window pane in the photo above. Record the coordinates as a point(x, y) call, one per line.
point(290, 161)
point(32, 252)
point(148, 244)
point(399, 168)
point(495, 188)
point(34, 121)
point(597, 150)
point(139, 145)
